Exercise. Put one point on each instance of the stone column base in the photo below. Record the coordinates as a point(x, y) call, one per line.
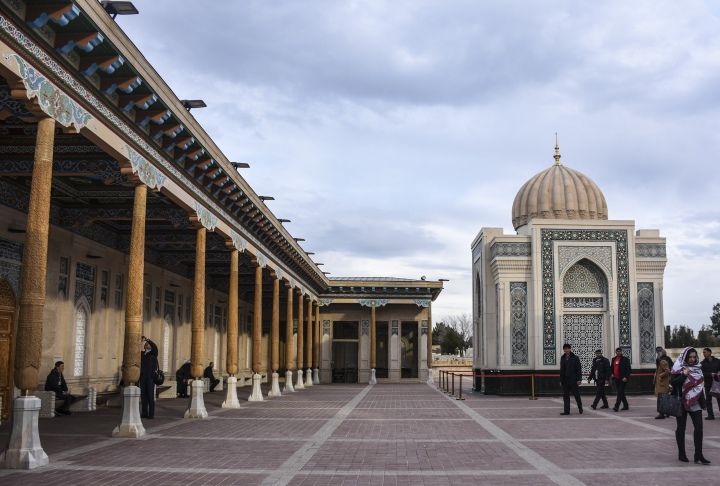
point(430, 380)
point(308, 378)
point(316, 376)
point(299, 385)
point(231, 400)
point(288, 382)
point(24, 449)
point(131, 425)
point(373, 380)
point(197, 404)
point(275, 386)
point(256, 395)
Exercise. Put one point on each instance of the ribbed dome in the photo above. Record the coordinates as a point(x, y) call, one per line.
point(558, 193)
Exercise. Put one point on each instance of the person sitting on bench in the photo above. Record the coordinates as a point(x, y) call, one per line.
point(182, 375)
point(55, 382)
point(208, 373)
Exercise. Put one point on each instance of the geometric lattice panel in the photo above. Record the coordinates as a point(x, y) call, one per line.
point(584, 278)
point(584, 333)
point(646, 321)
point(518, 322)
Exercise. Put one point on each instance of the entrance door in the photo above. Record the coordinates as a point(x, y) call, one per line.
point(382, 348)
point(409, 356)
point(7, 326)
point(345, 352)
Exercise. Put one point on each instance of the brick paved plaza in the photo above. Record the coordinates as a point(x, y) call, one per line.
point(381, 435)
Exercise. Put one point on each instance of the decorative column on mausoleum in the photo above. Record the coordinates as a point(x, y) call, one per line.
point(24, 449)
point(231, 400)
point(289, 342)
point(309, 344)
point(316, 345)
point(205, 221)
point(429, 344)
point(256, 395)
point(299, 385)
point(275, 339)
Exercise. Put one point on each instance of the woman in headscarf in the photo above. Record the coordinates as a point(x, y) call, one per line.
point(687, 381)
point(662, 381)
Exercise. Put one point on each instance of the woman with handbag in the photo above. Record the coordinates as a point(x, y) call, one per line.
point(149, 366)
point(687, 381)
point(662, 382)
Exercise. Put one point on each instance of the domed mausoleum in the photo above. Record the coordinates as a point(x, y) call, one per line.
point(569, 275)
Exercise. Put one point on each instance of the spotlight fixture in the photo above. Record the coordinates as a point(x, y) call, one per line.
point(326, 273)
point(190, 104)
point(266, 198)
point(119, 8)
point(318, 264)
point(240, 165)
point(282, 220)
point(309, 252)
point(443, 280)
point(299, 239)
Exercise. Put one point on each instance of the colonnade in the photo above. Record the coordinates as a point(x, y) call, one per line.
point(25, 450)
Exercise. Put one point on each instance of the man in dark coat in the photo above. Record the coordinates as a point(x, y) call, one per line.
point(208, 373)
point(148, 368)
point(182, 375)
point(710, 366)
point(600, 372)
point(55, 382)
point(570, 378)
point(620, 375)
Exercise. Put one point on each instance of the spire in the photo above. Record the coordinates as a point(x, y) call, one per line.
point(557, 151)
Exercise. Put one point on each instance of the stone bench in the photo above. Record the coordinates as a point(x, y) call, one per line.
point(167, 390)
point(87, 403)
point(47, 403)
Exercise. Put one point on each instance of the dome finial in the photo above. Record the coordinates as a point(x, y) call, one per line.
point(557, 151)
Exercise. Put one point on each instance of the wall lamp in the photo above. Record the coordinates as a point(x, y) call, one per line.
point(240, 165)
point(190, 104)
point(119, 8)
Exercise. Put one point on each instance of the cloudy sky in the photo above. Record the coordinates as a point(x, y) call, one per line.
point(390, 132)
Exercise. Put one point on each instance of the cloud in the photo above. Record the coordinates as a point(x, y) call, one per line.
point(390, 132)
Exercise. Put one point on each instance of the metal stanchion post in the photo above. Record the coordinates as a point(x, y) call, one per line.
point(453, 384)
point(532, 387)
point(460, 397)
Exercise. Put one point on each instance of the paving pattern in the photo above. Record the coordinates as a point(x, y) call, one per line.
point(409, 434)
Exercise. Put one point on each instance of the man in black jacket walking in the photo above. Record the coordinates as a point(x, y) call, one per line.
point(620, 375)
point(600, 372)
point(570, 378)
point(710, 366)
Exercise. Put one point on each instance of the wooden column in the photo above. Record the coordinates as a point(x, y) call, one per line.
point(275, 330)
point(289, 348)
point(198, 313)
point(373, 350)
point(134, 302)
point(300, 341)
point(429, 338)
point(309, 343)
point(257, 322)
point(232, 331)
point(28, 347)
point(316, 348)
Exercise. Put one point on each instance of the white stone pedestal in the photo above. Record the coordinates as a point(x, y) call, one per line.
point(131, 425)
point(373, 380)
point(288, 382)
point(275, 386)
point(24, 449)
point(231, 400)
point(197, 404)
point(299, 385)
point(316, 376)
point(430, 380)
point(256, 395)
point(308, 378)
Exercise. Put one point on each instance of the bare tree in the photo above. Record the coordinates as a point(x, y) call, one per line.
point(462, 324)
